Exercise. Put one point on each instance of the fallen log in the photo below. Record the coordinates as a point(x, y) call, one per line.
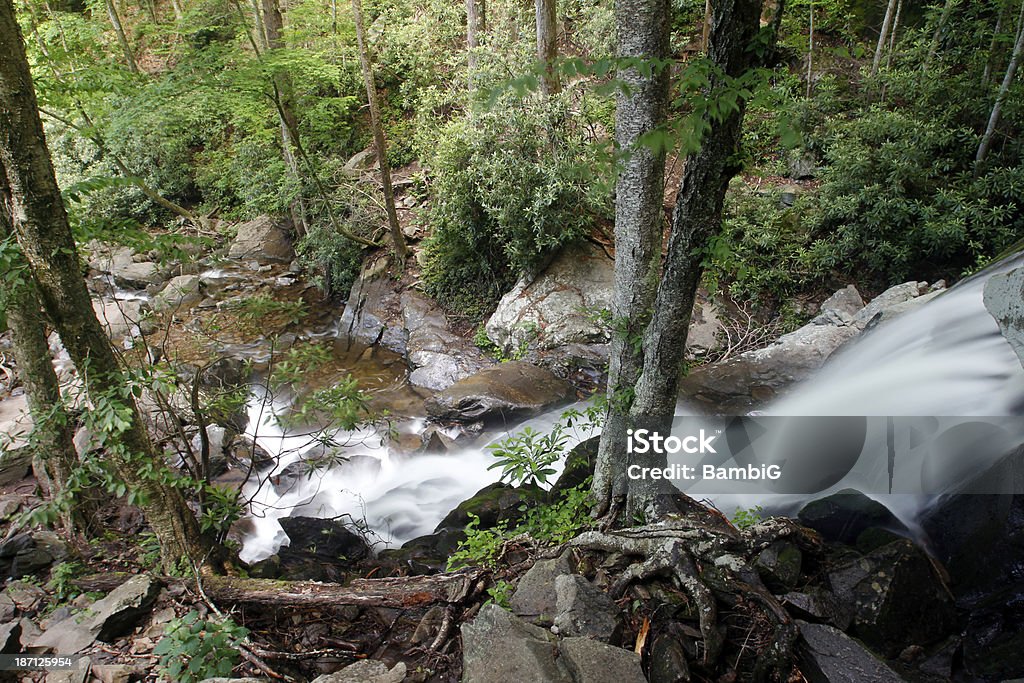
point(402, 591)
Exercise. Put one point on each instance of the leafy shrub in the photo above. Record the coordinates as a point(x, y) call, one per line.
point(509, 186)
point(194, 648)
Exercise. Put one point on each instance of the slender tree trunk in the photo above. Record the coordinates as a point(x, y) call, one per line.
point(997, 109)
point(273, 31)
point(940, 27)
point(179, 12)
point(893, 33)
point(474, 27)
point(810, 46)
point(54, 457)
point(547, 44)
point(126, 48)
point(643, 33)
point(397, 238)
point(705, 33)
point(986, 77)
point(883, 36)
point(696, 218)
point(44, 235)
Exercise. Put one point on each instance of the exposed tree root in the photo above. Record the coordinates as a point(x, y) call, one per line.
point(710, 562)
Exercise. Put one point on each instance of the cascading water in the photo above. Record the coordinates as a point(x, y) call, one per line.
point(945, 358)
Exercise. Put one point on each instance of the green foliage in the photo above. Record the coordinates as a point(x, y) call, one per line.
point(62, 580)
point(744, 518)
point(527, 456)
point(342, 405)
point(257, 309)
point(194, 648)
point(299, 360)
point(500, 594)
point(509, 185)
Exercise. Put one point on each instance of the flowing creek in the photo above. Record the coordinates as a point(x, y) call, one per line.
point(945, 358)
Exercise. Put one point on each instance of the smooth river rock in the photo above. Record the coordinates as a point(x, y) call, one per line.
point(263, 239)
point(500, 393)
point(1004, 299)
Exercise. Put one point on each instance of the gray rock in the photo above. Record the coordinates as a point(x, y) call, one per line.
point(371, 314)
point(845, 515)
point(827, 655)
point(127, 269)
point(7, 608)
point(498, 647)
point(535, 597)
point(1004, 299)
point(182, 292)
point(262, 239)
point(30, 553)
point(123, 319)
point(113, 616)
point(236, 680)
point(841, 306)
point(437, 357)
point(15, 463)
point(668, 661)
point(117, 673)
point(79, 674)
point(559, 306)
point(362, 161)
point(502, 392)
point(817, 604)
point(583, 609)
point(9, 506)
point(887, 300)
point(589, 661)
point(779, 565)
point(365, 671)
point(802, 165)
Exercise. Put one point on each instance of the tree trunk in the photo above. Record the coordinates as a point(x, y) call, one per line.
point(44, 235)
point(986, 77)
point(696, 218)
point(883, 36)
point(705, 32)
point(997, 109)
point(893, 33)
point(547, 44)
point(810, 46)
point(643, 33)
point(474, 27)
point(179, 13)
point(53, 450)
point(940, 27)
point(397, 238)
point(273, 33)
point(126, 47)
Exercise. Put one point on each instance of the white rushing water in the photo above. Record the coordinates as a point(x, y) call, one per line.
point(945, 358)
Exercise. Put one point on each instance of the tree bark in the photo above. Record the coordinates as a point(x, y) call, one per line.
point(940, 27)
point(810, 46)
point(474, 27)
point(126, 48)
point(643, 33)
point(997, 109)
point(547, 44)
point(397, 238)
point(705, 32)
point(53, 451)
point(273, 33)
point(883, 36)
point(44, 235)
point(989, 62)
point(696, 218)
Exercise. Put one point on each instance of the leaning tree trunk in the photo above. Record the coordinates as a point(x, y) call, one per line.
point(883, 36)
point(997, 109)
point(122, 39)
point(397, 238)
point(44, 235)
point(53, 451)
point(696, 218)
point(644, 27)
point(547, 44)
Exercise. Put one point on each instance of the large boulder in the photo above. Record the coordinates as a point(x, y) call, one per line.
point(584, 610)
point(498, 647)
point(181, 293)
point(559, 306)
point(437, 357)
point(827, 655)
point(535, 598)
point(123, 319)
point(126, 268)
point(30, 553)
point(113, 616)
point(500, 393)
point(1004, 299)
point(590, 661)
point(898, 599)
point(843, 516)
point(372, 313)
point(263, 239)
point(319, 549)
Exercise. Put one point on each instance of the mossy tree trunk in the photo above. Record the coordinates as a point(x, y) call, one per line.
point(44, 236)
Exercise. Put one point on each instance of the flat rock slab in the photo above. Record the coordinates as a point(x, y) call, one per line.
point(589, 661)
point(827, 655)
point(498, 647)
point(366, 671)
point(500, 393)
point(114, 615)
